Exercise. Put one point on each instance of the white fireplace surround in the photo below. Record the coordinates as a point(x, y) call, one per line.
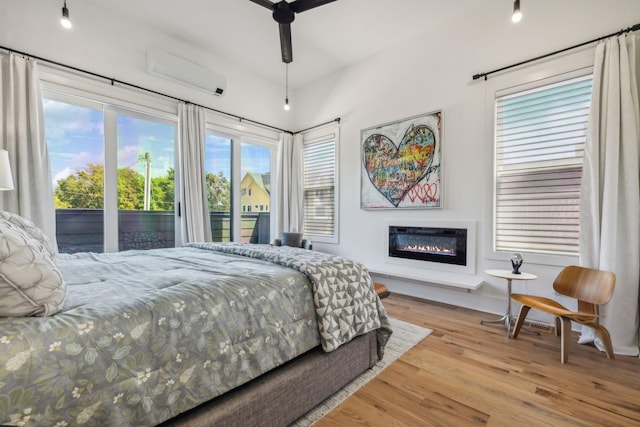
point(469, 268)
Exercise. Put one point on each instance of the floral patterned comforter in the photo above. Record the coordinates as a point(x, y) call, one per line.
point(146, 335)
point(345, 301)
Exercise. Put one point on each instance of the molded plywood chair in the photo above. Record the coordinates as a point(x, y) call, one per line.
point(590, 287)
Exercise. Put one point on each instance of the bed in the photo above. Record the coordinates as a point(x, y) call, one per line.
point(206, 334)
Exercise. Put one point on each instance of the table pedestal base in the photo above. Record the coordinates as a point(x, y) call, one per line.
point(507, 319)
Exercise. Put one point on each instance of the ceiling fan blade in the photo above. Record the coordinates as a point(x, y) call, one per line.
point(265, 3)
point(285, 43)
point(302, 5)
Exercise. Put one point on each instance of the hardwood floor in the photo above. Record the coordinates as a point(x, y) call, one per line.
point(465, 373)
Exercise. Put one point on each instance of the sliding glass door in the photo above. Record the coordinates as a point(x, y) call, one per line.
point(218, 165)
point(113, 175)
point(145, 187)
point(255, 192)
point(239, 188)
point(75, 139)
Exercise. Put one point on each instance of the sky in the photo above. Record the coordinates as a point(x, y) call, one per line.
point(75, 138)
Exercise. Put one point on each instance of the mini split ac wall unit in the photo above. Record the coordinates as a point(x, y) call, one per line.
point(185, 72)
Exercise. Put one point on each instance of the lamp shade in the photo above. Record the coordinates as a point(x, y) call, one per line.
point(6, 182)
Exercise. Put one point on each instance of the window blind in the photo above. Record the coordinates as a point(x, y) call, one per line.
point(319, 159)
point(540, 136)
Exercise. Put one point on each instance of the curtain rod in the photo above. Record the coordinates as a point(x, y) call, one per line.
point(618, 33)
point(113, 81)
point(336, 120)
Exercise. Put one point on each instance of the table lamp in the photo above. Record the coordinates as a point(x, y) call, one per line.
point(6, 182)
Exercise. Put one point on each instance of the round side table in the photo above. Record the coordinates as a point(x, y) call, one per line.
point(507, 318)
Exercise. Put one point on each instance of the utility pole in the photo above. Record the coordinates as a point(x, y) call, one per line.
point(147, 181)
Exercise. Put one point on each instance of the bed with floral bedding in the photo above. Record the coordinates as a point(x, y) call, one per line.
point(144, 336)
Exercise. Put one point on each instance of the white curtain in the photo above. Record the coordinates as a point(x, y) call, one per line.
point(196, 225)
point(610, 193)
point(289, 186)
point(22, 135)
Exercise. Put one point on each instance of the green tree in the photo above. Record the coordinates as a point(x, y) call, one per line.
point(130, 189)
point(83, 189)
point(59, 204)
point(218, 192)
point(163, 191)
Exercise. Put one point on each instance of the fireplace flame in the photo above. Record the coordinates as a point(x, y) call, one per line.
point(428, 249)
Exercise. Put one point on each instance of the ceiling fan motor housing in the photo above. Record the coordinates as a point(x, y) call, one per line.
point(282, 13)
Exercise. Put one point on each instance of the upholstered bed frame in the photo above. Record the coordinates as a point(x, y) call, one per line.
point(284, 394)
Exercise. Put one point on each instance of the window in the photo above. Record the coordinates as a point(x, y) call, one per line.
point(218, 154)
point(320, 188)
point(112, 153)
point(255, 169)
point(75, 141)
point(230, 160)
point(146, 176)
point(539, 142)
point(113, 175)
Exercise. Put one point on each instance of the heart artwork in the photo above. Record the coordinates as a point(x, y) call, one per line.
point(394, 171)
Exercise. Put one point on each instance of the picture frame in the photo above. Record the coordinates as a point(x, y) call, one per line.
point(401, 164)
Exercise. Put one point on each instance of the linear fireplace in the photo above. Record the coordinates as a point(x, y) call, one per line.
point(440, 245)
point(434, 244)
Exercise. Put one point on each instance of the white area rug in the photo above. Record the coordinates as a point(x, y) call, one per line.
point(405, 335)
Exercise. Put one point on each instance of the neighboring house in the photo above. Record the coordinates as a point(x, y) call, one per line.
point(255, 190)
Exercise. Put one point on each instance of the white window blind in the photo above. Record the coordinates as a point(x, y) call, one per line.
point(319, 187)
point(540, 136)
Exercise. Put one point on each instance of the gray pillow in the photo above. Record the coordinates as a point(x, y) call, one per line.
point(30, 228)
point(291, 239)
point(30, 282)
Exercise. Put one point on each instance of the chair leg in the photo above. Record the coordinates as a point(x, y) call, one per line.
point(524, 310)
point(606, 339)
point(564, 339)
point(558, 326)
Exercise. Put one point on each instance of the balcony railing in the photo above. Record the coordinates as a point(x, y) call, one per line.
point(82, 230)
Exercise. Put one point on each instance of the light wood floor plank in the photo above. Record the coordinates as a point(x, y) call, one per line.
point(465, 373)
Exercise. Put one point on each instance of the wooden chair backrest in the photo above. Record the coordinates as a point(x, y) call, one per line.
point(585, 284)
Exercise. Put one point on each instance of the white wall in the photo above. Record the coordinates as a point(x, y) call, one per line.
point(434, 71)
point(113, 46)
point(423, 74)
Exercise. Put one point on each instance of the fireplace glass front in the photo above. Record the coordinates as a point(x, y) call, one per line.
point(434, 244)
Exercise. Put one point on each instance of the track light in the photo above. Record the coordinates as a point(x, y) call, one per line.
point(517, 15)
point(287, 107)
point(65, 21)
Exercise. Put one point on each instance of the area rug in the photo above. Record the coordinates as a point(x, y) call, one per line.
point(405, 335)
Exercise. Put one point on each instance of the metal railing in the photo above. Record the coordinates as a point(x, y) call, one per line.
point(82, 230)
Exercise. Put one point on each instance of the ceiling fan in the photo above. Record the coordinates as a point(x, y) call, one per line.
point(284, 14)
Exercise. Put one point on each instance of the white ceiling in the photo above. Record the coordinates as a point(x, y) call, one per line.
point(325, 39)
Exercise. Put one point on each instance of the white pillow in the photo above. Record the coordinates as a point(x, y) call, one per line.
point(30, 228)
point(30, 282)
